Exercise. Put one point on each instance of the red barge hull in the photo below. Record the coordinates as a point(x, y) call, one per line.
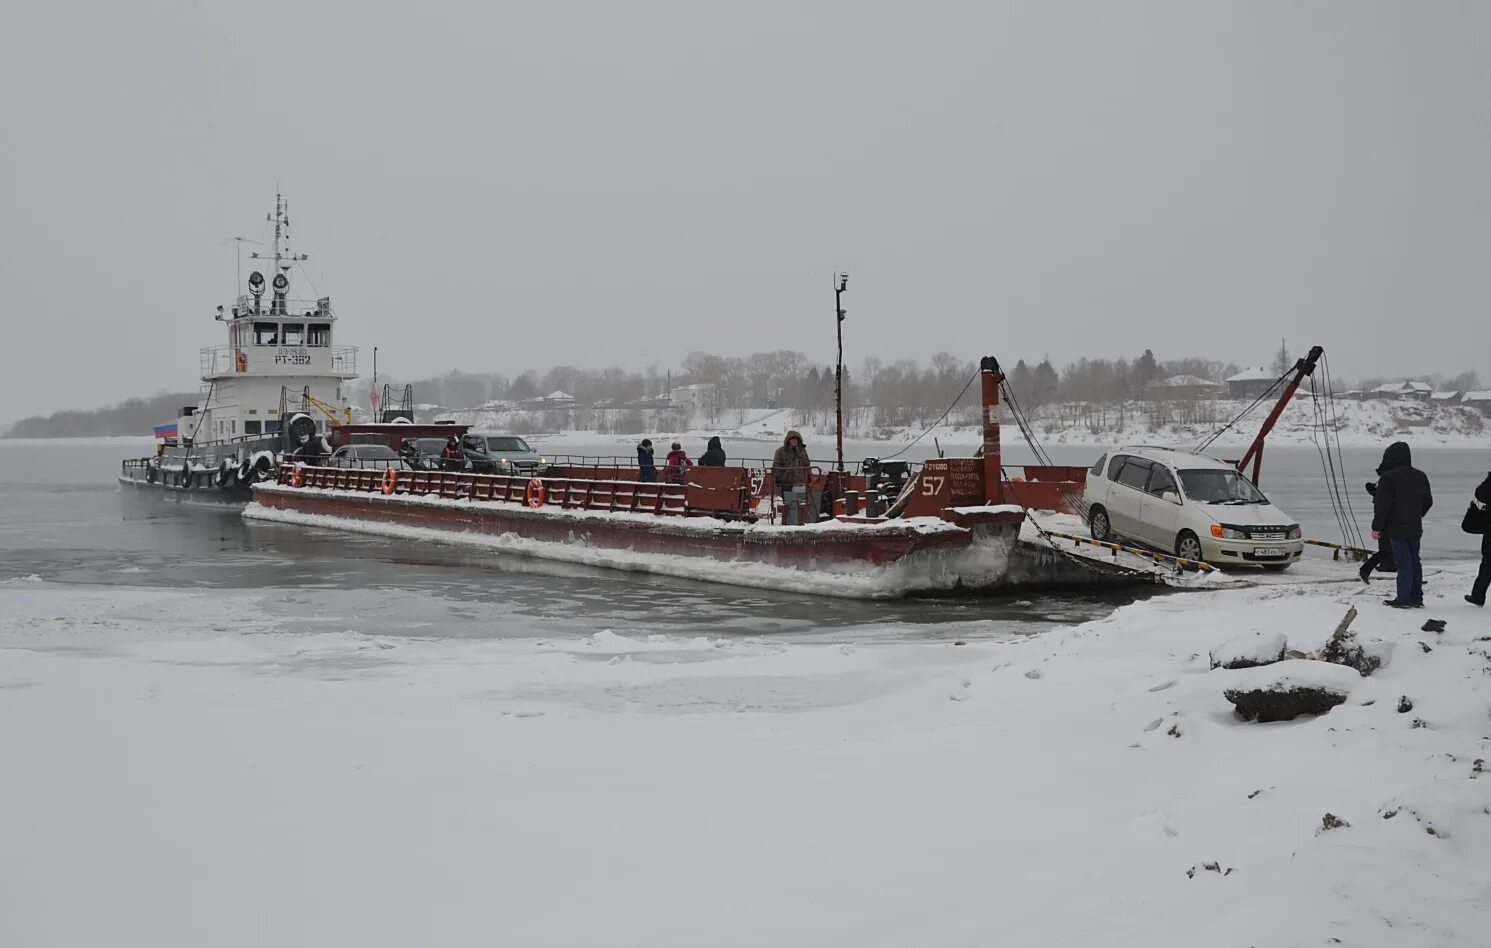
point(917, 556)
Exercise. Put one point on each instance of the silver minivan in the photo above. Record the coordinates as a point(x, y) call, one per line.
point(1194, 506)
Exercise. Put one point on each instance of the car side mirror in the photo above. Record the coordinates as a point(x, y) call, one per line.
point(1171, 496)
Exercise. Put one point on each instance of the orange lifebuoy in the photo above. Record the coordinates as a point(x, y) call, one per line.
point(390, 480)
point(534, 495)
point(297, 476)
point(241, 361)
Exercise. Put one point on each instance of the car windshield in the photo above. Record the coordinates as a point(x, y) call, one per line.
point(1220, 487)
point(374, 451)
point(430, 445)
point(508, 444)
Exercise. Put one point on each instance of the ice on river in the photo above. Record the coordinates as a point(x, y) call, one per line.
point(182, 769)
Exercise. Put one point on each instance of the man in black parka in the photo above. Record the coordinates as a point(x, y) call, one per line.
point(1398, 508)
point(1483, 579)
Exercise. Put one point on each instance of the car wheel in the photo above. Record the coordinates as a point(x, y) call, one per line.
point(1188, 546)
point(1097, 522)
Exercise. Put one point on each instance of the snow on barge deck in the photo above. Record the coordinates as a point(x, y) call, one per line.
point(952, 527)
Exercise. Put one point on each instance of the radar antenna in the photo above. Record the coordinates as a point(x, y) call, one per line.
point(283, 257)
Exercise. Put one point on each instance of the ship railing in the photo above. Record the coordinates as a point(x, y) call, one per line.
point(289, 308)
point(731, 492)
point(344, 361)
point(600, 494)
point(630, 461)
point(195, 471)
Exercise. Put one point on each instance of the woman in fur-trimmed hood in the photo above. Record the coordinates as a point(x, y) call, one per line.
point(789, 466)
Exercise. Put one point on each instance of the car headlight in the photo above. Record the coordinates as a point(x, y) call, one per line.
point(543, 460)
point(1295, 532)
point(1227, 533)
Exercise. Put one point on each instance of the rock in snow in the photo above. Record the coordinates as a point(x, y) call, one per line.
point(1250, 651)
point(1365, 657)
point(1285, 690)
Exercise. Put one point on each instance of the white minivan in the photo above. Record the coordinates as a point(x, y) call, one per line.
point(1196, 507)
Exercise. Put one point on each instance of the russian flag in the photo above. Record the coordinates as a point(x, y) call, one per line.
point(166, 431)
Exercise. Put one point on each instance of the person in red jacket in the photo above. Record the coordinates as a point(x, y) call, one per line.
point(677, 464)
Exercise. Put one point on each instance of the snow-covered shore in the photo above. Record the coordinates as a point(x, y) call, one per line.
point(176, 774)
point(1357, 424)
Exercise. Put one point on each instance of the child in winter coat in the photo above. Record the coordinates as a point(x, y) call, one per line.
point(677, 464)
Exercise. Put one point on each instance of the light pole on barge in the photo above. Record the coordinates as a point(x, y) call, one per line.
point(841, 283)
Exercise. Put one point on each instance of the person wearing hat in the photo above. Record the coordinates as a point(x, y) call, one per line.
point(789, 472)
point(645, 465)
point(714, 454)
point(677, 464)
point(452, 458)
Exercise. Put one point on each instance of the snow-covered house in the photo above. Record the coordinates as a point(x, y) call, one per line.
point(1480, 400)
point(554, 401)
point(698, 397)
point(1420, 391)
point(1445, 398)
point(1251, 383)
point(1183, 386)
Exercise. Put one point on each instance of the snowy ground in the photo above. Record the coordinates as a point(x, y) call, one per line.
point(177, 774)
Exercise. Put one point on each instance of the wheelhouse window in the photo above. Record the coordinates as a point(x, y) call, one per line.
point(266, 334)
point(292, 334)
point(318, 334)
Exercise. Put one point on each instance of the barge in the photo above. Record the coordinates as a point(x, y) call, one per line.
point(953, 526)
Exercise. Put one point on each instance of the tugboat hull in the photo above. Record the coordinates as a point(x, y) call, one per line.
point(235, 494)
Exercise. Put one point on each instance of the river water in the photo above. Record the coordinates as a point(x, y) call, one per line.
point(63, 520)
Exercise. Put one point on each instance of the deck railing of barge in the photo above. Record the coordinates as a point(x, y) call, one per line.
point(655, 497)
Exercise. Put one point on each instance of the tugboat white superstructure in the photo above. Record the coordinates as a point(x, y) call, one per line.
point(279, 381)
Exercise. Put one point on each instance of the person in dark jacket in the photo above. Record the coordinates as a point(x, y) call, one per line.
point(1483, 578)
point(452, 458)
point(1382, 561)
point(646, 466)
point(714, 455)
point(1398, 508)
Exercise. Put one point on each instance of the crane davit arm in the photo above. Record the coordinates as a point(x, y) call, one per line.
point(1302, 369)
point(329, 411)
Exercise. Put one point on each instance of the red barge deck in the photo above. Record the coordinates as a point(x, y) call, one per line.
point(954, 527)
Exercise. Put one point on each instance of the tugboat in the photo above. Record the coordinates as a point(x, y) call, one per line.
point(276, 389)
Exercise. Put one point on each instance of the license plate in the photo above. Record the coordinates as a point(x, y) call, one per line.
point(1268, 551)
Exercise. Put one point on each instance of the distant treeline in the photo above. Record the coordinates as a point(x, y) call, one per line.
point(876, 392)
point(900, 392)
point(130, 417)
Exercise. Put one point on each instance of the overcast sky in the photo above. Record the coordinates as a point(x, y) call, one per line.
point(497, 186)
